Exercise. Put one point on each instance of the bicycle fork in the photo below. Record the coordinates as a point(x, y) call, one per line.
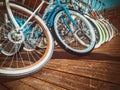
point(71, 28)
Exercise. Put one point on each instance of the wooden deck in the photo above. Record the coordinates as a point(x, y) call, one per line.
point(100, 70)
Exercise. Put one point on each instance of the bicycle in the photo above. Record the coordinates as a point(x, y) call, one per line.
point(72, 30)
point(20, 42)
point(57, 13)
point(103, 29)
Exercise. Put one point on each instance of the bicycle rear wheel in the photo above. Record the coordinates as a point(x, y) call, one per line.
point(79, 42)
point(21, 52)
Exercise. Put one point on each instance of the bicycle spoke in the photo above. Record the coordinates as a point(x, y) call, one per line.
point(21, 58)
point(7, 57)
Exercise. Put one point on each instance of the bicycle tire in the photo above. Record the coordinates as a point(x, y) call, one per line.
point(69, 45)
point(110, 29)
point(102, 31)
point(107, 36)
point(98, 32)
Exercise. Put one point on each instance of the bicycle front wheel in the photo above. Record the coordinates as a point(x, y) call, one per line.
point(22, 53)
point(82, 38)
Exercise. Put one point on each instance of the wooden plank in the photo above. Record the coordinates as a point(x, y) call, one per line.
point(3, 87)
point(17, 85)
point(113, 15)
point(73, 82)
point(91, 69)
point(39, 84)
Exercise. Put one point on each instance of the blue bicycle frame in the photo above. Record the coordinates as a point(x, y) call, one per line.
point(52, 13)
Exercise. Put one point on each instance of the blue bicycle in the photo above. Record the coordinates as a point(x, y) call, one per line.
point(70, 28)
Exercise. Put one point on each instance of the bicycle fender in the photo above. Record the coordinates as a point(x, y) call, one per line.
point(51, 20)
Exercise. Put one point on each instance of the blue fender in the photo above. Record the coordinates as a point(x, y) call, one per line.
point(50, 18)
